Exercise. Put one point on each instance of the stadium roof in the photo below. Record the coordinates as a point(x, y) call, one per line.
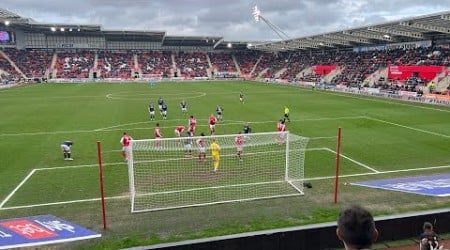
point(429, 27)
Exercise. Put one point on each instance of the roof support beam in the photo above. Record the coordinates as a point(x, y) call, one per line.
point(445, 17)
point(396, 32)
point(428, 27)
point(367, 35)
point(217, 43)
point(349, 38)
point(325, 39)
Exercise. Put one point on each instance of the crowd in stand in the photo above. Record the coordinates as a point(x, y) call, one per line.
point(155, 63)
point(115, 64)
point(74, 64)
point(192, 64)
point(223, 62)
point(355, 67)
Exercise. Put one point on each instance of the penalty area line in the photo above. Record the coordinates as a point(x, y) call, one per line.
point(354, 161)
point(17, 188)
point(407, 127)
point(377, 173)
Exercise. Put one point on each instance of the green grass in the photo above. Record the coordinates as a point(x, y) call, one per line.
point(380, 134)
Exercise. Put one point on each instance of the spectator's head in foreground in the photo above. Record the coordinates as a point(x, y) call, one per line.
point(356, 228)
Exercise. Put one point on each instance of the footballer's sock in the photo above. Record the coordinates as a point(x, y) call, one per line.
point(124, 154)
point(68, 155)
point(216, 165)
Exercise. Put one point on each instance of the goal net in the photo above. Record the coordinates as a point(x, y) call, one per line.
point(169, 173)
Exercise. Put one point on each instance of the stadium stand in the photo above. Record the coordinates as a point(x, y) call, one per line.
point(74, 64)
point(115, 64)
point(155, 63)
point(192, 64)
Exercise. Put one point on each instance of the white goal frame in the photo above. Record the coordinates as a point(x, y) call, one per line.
point(163, 175)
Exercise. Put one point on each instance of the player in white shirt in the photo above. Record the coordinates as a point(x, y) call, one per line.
point(65, 147)
point(201, 148)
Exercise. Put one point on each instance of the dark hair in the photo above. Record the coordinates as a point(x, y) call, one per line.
point(356, 226)
point(427, 226)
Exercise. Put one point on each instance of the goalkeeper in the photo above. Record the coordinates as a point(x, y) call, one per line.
point(215, 154)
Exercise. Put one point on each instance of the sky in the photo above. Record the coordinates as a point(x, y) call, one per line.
point(231, 19)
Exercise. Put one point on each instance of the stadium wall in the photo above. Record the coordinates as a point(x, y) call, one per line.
point(319, 236)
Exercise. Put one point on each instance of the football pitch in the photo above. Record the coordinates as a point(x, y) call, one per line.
point(381, 139)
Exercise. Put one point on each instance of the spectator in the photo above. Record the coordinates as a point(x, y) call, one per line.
point(428, 238)
point(356, 228)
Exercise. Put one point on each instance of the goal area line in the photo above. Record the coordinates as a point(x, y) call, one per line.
point(218, 187)
point(218, 202)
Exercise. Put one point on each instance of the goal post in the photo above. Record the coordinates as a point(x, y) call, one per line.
point(172, 173)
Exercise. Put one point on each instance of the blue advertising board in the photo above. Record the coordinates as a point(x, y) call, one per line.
point(40, 230)
point(432, 185)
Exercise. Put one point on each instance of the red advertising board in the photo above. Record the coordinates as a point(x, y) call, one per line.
point(423, 72)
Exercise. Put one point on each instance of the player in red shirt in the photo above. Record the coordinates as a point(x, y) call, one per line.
point(281, 128)
point(158, 136)
point(239, 141)
point(126, 150)
point(192, 124)
point(179, 130)
point(212, 124)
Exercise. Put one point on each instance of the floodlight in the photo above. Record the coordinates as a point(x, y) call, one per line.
point(258, 16)
point(229, 45)
point(70, 29)
point(62, 29)
point(53, 29)
point(256, 13)
point(7, 22)
point(386, 36)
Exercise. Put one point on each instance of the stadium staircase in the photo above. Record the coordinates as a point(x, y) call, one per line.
point(236, 64)
point(442, 80)
point(280, 72)
point(304, 72)
point(12, 64)
point(95, 68)
point(256, 64)
point(337, 71)
point(260, 74)
point(373, 78)
point(3, 73)
point(174, 66)
point(209, 69)
point(52, 66)
point(136, 67)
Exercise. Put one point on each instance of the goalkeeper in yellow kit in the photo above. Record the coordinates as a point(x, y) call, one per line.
point(215, 149)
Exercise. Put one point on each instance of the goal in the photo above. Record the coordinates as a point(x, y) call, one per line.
point(168, 173)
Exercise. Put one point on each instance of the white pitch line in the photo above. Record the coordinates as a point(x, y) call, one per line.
point(80, 166)
point(377, 173)
point(120, 125)
point(377, 99)
point(66, 202)
point(17, 188)
point(117, 127)
point(354, 161)
point(407, 127)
